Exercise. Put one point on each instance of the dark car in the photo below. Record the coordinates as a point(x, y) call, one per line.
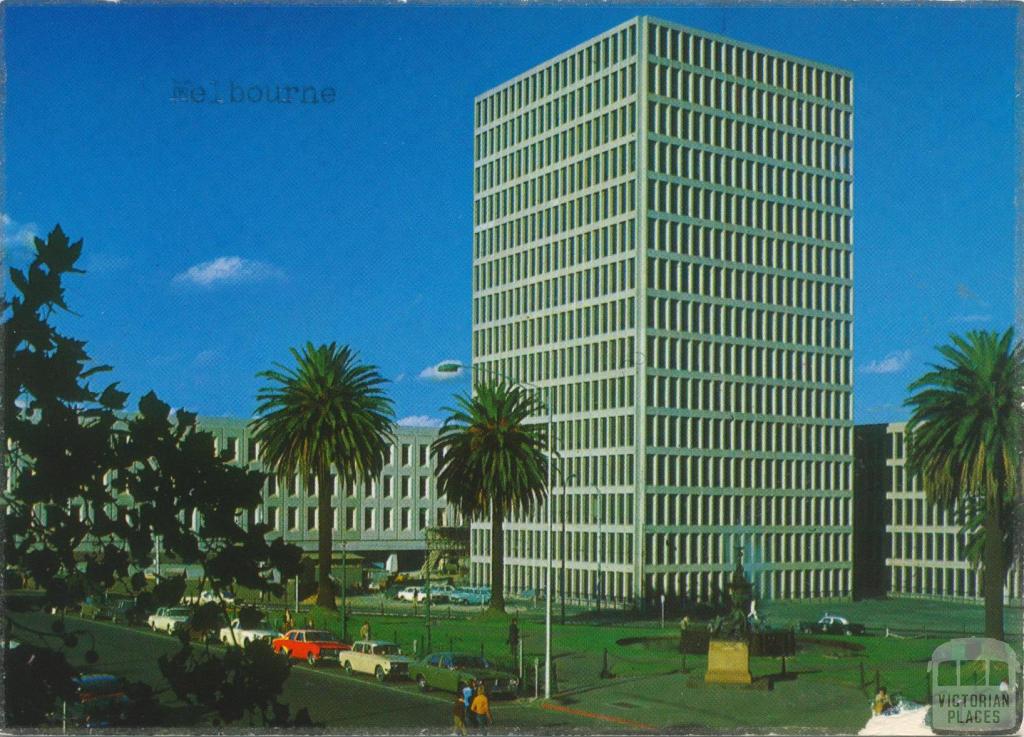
point(450, 671)
point(100, 606)
point(100, 701)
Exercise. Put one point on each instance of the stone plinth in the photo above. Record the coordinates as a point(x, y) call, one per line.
point(728, 662)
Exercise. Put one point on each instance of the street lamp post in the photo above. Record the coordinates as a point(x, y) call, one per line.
point(452, 367)
point(561, 591)
point(599, 513)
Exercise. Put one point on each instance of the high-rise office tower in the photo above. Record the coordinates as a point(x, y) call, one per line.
point(662, 231)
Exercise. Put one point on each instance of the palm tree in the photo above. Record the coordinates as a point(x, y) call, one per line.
point(491, 460)
point(328, 410)
point(964, 436)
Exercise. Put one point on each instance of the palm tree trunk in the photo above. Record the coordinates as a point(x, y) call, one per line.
point(994, 572)
point(324, 527)
point(497, 559)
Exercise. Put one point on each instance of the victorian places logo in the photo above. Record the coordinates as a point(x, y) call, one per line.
point(975, 684)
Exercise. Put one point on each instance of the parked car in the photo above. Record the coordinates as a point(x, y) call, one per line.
point(448, 671)
point(242, 636)
point(100, 606)
point(170, 619)
point(309, 645)
point(376, 657)
point(474, 595)
point(209, 596)
point(99, 701)
point(833, 624)
point(128, 611)
point(410, 593)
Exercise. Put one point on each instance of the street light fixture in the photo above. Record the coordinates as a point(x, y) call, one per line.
point(450, 367)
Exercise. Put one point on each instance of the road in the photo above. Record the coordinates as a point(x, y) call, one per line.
point(356, 703)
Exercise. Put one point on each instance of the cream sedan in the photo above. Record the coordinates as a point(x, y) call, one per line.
point(378, 658)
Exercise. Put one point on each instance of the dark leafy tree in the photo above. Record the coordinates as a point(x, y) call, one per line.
point(964, 440)
point(328, 410)
point(92, 488)
point(491, 460)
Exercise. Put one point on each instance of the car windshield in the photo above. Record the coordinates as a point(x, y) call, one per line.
point(320, 636)
point(386, 648)
point(470, 661)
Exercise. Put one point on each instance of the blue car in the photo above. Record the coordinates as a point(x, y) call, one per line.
point(471, 595)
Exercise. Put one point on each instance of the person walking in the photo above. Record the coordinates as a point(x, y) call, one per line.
point(481, 709)
point(513, 636)
point(288, 623)
point(459, 715)
point(364, 631)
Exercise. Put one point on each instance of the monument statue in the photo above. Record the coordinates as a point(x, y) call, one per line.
point(729, 649)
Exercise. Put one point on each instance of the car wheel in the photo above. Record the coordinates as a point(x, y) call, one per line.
point(381, 675)
point(348, 668)
point(422, 683)
point(847, 632)
point(310, 658)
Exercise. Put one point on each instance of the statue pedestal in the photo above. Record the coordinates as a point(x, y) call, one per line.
point(728, 662)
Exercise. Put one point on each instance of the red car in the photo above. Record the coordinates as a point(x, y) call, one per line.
point(310, 645)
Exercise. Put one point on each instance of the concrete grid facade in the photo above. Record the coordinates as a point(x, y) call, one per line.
point(925, 546)
point(662, 242)
point(391, 515)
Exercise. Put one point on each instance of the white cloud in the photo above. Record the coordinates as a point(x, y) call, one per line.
point(228, 270)
point(891, 364)
point(431, 373)
point(420, 421)
point(400, 377)
point(205, 358)
point(18, 236)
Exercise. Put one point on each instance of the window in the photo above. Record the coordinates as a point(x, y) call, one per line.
point(389, 485)
point(388, 518)
point(405, 518)
point(310, 486)
point(293, 518)
point(350, 519)
point(424, 486)
point(391, 455)
point(254, 451)
point(406, 454)
point(367, 519)
point(423, 519)
point(440, 517)
point(271, 486)
point(371, 488)
point(231, 448)
point(424, 455)
point(272, 517)
point(291, 486)
point(406, 487)
point(311, 519)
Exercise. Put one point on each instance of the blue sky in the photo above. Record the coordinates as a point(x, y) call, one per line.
point(219, 235)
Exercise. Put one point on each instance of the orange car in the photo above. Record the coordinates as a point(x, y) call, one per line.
point(310, 645)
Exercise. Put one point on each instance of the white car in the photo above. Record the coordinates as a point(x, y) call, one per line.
point(377, 657)
point(210, 596)
point(411, 593)
point(170, 619)
point(236, 635)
